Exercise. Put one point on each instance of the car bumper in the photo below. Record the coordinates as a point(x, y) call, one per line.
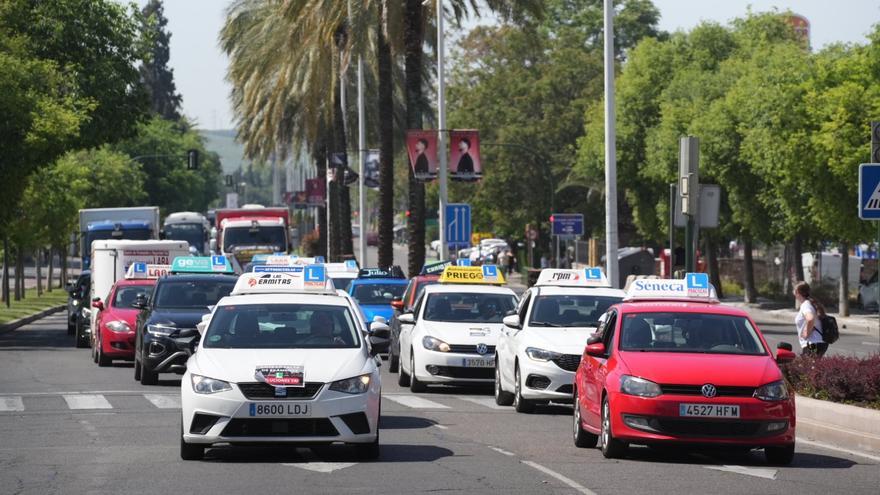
point(117, 345)
point(545, 380)
point(657, 420)
point(447, 367)
point(334, 417)
point(166, 354)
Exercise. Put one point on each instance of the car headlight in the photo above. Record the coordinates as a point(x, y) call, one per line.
point(118, 326)
point(160, 330)
point(435, 344)
point(542, 354)
point(353, 385)
point(205, 385)
point(772, 391)
point(633, 385)
point(74, 303)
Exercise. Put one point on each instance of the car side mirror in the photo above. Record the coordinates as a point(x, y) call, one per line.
point(408, 318)
point(594, 338)
point(397, 303)
point(97, 304)
point(596, 350)
point(380, 338)
point(784, 353)
point(70, 287)
point(784, 345)
point(380, 320)
point(201, 327)
point(512, 321)
point(213, 245)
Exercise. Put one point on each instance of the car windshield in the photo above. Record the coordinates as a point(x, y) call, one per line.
point(282, 326)
point(377, 293)
point(193, 233)
point(468, 307)
point(689, 332)
point(185, 294)
point(250, 236)
point(570, 310)
point(125, 296)
point(342, 283)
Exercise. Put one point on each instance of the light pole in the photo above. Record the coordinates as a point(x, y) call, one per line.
point(441, 131)
point(362, 144)
point(611, 262)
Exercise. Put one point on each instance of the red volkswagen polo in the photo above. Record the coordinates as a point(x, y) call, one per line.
point(671, 365)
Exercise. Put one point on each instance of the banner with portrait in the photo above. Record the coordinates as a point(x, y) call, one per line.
point(464, 155)
point(421, 145)
point(315, 191)
point(371, 169)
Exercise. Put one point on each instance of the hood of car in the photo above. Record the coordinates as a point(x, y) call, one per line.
point(463, 333)
point(120, 314)
point(697, 369)
point(180, 318)
point(565, 340)
point(240, 365)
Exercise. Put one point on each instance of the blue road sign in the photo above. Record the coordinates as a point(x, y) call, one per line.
point(568, 224)
point(458, 223)
point(869, 191)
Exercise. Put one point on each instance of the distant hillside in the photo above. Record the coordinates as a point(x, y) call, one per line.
point(222, 142)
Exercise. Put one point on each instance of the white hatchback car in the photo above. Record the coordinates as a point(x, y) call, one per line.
point(453, 329)
point(283, 359)
point(540, 346)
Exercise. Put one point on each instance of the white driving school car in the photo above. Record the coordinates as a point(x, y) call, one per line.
point(451, 334)
point(283, 358)
point(541, 345)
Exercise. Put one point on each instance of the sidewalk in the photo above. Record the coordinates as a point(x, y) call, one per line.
point(516, 283)
point(775, 311)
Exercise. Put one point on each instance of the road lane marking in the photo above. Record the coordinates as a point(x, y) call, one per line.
point(870, 343)
point(568, 481)
point(765, 473)
point(442, 427)
point(414, 402)
point(164, 401)
point(13, 403)
point(823, 445)
point(320, 467)
point(86, 401)
point(501, 451)
point(485, 402)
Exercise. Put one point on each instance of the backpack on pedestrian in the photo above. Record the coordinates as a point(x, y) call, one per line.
point(830, 332)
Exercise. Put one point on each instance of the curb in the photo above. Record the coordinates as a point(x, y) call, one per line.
point(841, 425)
point(14, 324)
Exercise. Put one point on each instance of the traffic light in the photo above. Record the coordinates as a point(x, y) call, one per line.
point(875, 142)
point(229, 180)
point(192, 160)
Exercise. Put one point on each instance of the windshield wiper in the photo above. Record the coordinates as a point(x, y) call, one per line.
point(545, 324)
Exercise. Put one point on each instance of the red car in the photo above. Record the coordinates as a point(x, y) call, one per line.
point(116, 321)
point(666, 367)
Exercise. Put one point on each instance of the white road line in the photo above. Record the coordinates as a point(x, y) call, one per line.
point(73, 392)
point(87, 401)
point(823, 445)
point(486, 402)
point(13, 403)
point(442, 427)
point(870, 343)
point(164, 401)
point(501, 451)
point(568, 481)
point(320, 467)
point(765, 473)
point(414, 402)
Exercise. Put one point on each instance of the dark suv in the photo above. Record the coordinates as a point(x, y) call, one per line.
point(166, 325)
point(78, 297)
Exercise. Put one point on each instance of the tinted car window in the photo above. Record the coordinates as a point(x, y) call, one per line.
point(570, 310)
point(125, 296)
point(468, 307)
point(689, 332)
point(282, 326)
point(262, 236)
point(180, 294)
point(377, 293)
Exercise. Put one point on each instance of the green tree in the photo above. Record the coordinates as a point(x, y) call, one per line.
point(157, 77)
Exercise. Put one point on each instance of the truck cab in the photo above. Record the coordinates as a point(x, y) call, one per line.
point(136, 230)
point(188, 226)
point(245, 232)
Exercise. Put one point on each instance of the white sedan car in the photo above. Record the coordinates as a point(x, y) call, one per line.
point(540, 347)
point(281, 363)
point(453, 336)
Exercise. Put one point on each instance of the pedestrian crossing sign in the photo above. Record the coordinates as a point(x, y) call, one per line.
point(869, 191)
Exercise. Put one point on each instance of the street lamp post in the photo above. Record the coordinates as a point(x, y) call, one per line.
point(441, 134)
point(611, 262)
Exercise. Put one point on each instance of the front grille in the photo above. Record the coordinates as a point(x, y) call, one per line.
point(356, 422)
point(470, 349)
point(538, 382)
point(568, 362)
point(260, 390)
point(202, 423)
point(565, 389)
point(461, 372)
point(709, 428)
point(300, 427)
point(722, 391)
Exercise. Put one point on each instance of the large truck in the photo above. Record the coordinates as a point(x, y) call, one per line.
point(95, 224)
point(188, 226)
point(110, 261)
point(253, 229)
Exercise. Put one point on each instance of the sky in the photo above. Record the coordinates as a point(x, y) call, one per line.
point(200, 66)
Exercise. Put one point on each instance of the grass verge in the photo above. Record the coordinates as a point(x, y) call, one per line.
point(31, 304)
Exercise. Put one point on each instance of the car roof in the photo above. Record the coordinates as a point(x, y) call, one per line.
point(289, 298)
point(425, 278)
point(680, 307)
point(125, 282)
point(370, 281)
point(467, 288)
point(550, 290)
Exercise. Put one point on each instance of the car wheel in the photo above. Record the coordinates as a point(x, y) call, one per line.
point(402, 378)
point(102, 360)
point(190, 451)
point(81, 341)
point(148, 377)
point(71, 328)
point(611, 447)
point(394, 360)
point(582, 438)
point(137, 370)
point(859, 302)
point(415, 386)
point(519, 403)
point(502, 398)
point(779, 456)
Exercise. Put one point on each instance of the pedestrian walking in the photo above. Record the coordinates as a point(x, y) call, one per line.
point(545, 263)
point(504, 262)
point(809, 326)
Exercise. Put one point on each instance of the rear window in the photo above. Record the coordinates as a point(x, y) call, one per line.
point(180, 294)
point(126, 295)
point(689, 332)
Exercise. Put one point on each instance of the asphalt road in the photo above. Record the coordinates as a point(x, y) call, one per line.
point(67, 426)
